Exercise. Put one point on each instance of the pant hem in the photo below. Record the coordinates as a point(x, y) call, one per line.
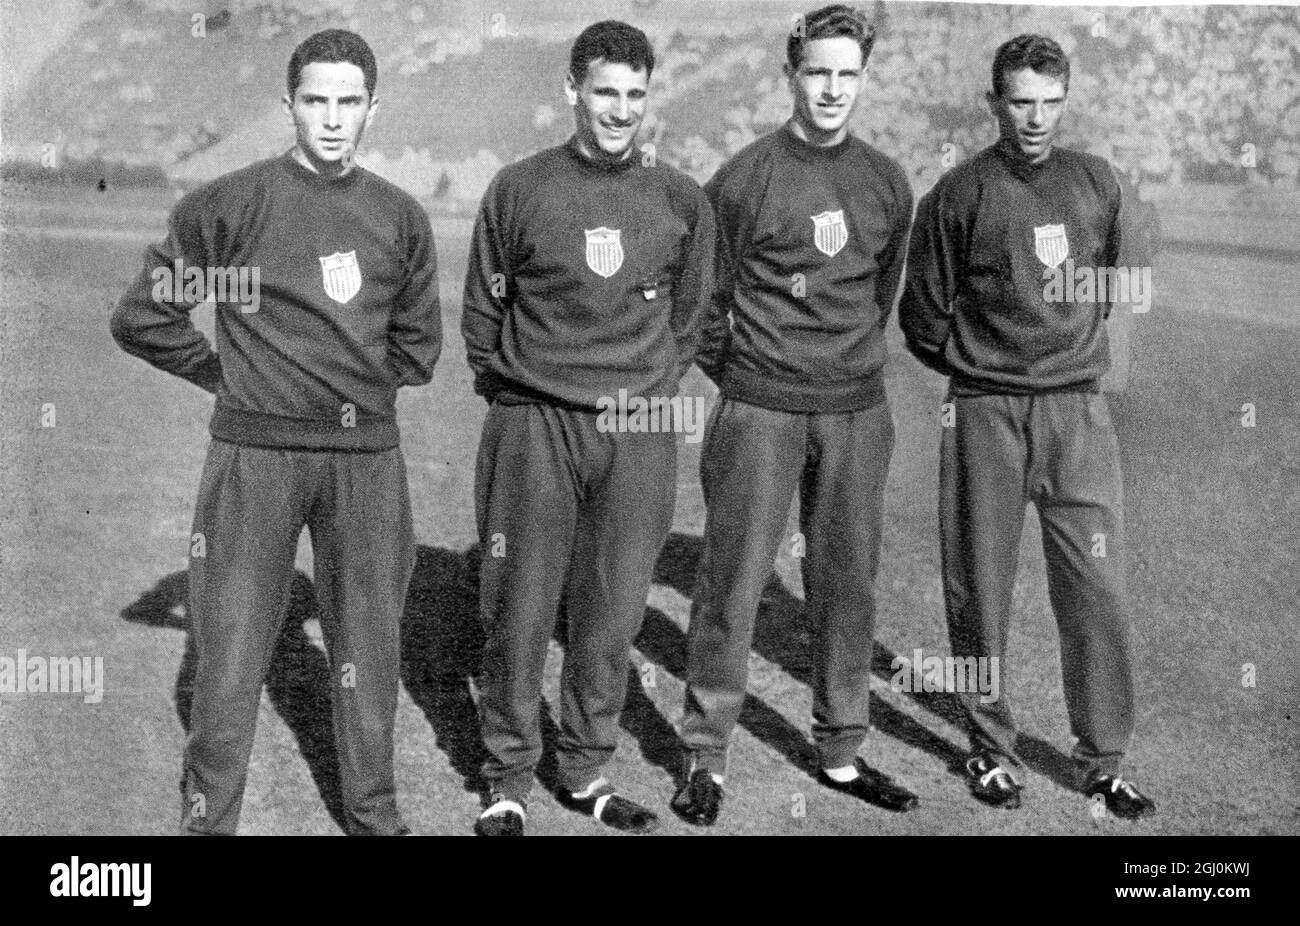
point(715, 763)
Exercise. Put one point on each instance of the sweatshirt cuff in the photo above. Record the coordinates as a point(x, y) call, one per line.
point(487, 384)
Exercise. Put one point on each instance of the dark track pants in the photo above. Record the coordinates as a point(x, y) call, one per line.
point(252, 505)
point(557, 498)
point(753, 460)
point(1058, 451)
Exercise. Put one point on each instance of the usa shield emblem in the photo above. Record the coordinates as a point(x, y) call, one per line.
point(604, 250)
point(829, 232)
point(341, 275)
point(1050, 245)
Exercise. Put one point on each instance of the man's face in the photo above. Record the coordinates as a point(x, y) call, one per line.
point(825, 87)
point(608, 108)
point(330, 111)
point(1029, 112)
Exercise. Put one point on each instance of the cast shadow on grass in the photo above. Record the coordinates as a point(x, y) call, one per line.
point(783, 637)
point(298, 683)
point(442, 639)
point(442, 642)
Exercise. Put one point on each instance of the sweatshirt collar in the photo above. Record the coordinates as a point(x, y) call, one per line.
point(810, 152)
point(603, 166)
point(320, 181)
point(1017, 162)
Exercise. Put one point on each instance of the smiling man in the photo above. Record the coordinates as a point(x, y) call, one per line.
point(589, 273)
point(1031, 423)
point(304, 429)
point(814, 223)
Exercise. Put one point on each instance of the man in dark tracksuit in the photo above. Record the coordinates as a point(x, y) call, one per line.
point(589, 272)
point(1030, 422)
point(814, 223)
point(342, 310)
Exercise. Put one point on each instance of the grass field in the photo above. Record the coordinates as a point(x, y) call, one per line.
point(96, 514)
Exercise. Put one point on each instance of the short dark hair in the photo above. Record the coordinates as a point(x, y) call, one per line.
point(1036, 52)
point(829, 22)
point(614, 42)
point(333, 46)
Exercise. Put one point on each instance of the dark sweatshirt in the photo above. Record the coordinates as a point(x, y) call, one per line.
point(814, 243)
point(974, 307)
point(305, 370)
point(585, 279)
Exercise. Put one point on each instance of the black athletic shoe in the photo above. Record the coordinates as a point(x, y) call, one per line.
point(873, 787)
point(610, 808)
point(1122, 799)
point(991, 783)
point(699, 800)
point(499, 820)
